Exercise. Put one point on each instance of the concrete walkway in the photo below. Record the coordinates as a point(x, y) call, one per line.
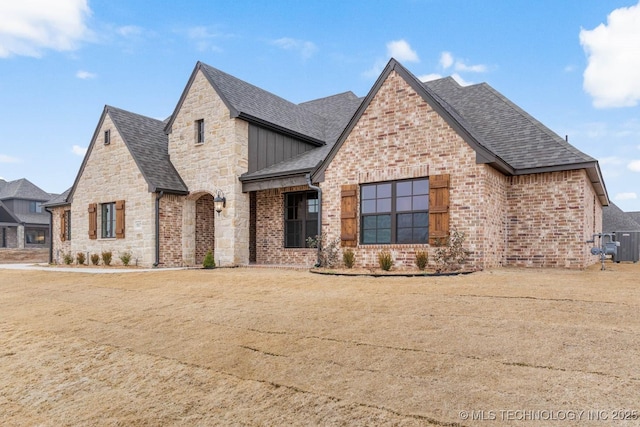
point(104, 270)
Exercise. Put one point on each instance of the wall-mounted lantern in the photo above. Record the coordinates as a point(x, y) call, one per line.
point(219, 202)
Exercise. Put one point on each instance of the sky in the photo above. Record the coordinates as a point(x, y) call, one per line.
point(573, 64)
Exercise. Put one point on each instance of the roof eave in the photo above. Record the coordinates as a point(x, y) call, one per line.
point(273, 175)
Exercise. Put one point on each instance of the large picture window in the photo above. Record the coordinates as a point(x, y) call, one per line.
point(300, 218)
point(108, 220)
point(35, 236)
point(395, 212)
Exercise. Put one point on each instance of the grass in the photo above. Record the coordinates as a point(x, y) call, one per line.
point(272, 347)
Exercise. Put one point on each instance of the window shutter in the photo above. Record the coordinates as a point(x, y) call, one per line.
point(438, 208)
point(120, 219)
point(349, 215)
point(93, 221)
point(63, 226)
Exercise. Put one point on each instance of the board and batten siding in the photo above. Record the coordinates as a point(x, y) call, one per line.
point(267, 147)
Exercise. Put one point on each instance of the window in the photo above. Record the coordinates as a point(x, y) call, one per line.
point(107, 137)
point(395, 212)
point(35, 207)
point(300, 218)
point(200, 131)
point(108, 220)
point(35, 236)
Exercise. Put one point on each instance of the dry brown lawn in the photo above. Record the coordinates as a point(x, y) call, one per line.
point(281, 347)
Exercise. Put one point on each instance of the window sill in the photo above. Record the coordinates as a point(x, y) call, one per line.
point(393, 245)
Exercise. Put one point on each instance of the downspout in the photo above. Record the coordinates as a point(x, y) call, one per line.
point(319, 190)
point(50, 235)
point(158, 197)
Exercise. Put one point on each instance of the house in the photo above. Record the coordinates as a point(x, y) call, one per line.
point(396, 170)
point(615, 219)
point(23, 221)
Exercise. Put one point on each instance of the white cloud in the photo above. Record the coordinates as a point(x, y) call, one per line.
point(625, 196)
point(8, 159)
point(429, 77)
point(634, 166)
point(129, 31)
point(305, 48)
point(85, 75)
point(611, 160)
point(611, 76)
point(460, 80)
point(27, 27)
point(79, 151)
point(478, 68)
point(203, 37)
point(446, 60)
point(400, 50)
point(569, 69)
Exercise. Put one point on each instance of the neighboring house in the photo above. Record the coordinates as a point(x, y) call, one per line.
point(23, 221)
point(615, 219)
point(397, 170)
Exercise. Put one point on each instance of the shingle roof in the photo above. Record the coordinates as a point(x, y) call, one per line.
point(148, 145)
point(635, 215)
point(505, 129)
point(251, 102)
point(33, 218)
point(22, 189)
point(615, 219)
point(59, 199)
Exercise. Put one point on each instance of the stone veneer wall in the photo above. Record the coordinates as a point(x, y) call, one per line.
point(12, 237)
point(400, 136)
point(111, 174)
point(59, 247)
point(551, 216)
point(215, 164)
point(171, 230)
point(270, 231)
point(205, 227)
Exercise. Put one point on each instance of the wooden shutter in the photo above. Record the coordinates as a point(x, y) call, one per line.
point(93, 221)
point(120, 219)
point(349, 215)
point(438, 208)
point(63, 226)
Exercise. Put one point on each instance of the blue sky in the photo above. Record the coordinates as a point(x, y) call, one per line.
point(572, 64)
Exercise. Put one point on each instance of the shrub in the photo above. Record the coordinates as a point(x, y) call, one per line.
point(209, 262)
point(450, 254)
point(106, 257)
point(80, 257)
point(385, 260)
point(125, 258)
point(349, 258)
point(67, 258)
point(329, 250)
point(95, 259)
point(422, 259)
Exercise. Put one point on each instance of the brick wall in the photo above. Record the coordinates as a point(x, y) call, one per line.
point(270, 231)
point(400, 136)
point(171, 230)
point(550, 217)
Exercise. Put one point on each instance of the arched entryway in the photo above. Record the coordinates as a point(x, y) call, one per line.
point(204, 227)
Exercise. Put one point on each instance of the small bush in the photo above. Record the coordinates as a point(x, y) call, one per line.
point(95, 259)
point(349, 258)
point(451, 254)
point(80, 258)
point(422, 259)
point(67, 258)
point(329, 250)
point(106, 257)
point(385, 260)
point(125, 258)
point(209, 262)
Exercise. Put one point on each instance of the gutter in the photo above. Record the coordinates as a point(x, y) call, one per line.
point(158, 197)
point(50, 234)
point(319, 190)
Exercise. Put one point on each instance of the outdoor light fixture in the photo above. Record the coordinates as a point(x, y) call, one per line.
point(219, 202)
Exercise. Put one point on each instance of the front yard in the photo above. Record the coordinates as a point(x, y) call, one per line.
point(277, 347)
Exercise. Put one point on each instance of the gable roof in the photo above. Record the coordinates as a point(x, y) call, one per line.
point(6, 216)
point(259, 106)
point(615, 219)
point(59, 200)
point(337, 111)
point(502, 134)
point(22, 189)
point(145, 139)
